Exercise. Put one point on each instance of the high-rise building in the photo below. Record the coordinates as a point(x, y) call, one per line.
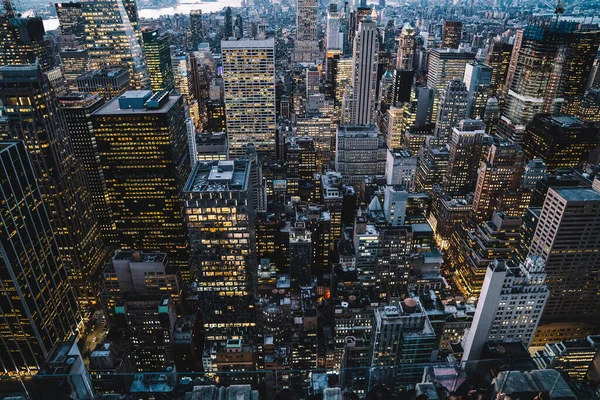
point(364, 74)
point(468, 147)
point(70, 18)
point(59, 174)
point(432, 166)
point(498, 57)
point(335, 38)
point(562, 141)
point(313, 77)
point(23, 40)
point(197, 29)
point(158, 59)
point(107, 83)
point(576, 358)
point(38, 303)
point(77, 109)
point(307, 47)
point(405, 66)
point(452, 107)
point(114, 38)
point(478, 78)
point(451, 34)
point(510, 306)
point(218, 212)
point(359, 151)
point(498, 175)
point(567, 237)
point(74, 63)
point(143, 149)
point(536, 86)
point(445, 65)
point(402, 342)
point(249, 76)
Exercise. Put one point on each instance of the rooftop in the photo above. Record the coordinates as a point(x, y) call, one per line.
point(139, 102)
point(140, 256)
point(218, 176)
point(577, 193)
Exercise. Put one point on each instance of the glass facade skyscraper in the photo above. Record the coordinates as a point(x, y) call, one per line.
point(37, 303)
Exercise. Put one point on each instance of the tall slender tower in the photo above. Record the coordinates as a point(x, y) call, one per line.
point(452, 107)
point(114, 38)
point(158, 58)
point(405, 66)
point(335, 38)
point(307, 47)
point(37, 304)
point(59, 174)
point(365, 59)
point(143, 149)
point(197, 30)
point(249, 76)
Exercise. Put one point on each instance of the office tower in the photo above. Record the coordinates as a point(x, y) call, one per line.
point(468, 147)
point(405, 66)
point(452, 108)
point(359, 151)
point(535, 171)
point(473, 249)
point(307, 47)
point(23, 40)
point(354, 374)
point(567, 237)
point(238, 27)
point(562, 141)
point(196, 29)
point(77, 109)
point(341, 78)
point(70, 18)
point(334, 194)
point(228, 31)
point(586, 108)
point(148, 322)
point(537, 86)
point(39, 307)
point(249, 76)
point(401, 168)
point(445, 65)
point(158, 58)
point(402, 341)
point(451, 34)
point(222, 252)
point(107, 83)
point(143, 190)
point(318, 128)
point(392, 269)
point(498, 57)
point(432, 166)
point(114, 38)
point(215, 117)
point(510, 306)
point(335, 38)
point(312, 81)
point(74, 63)
point(499, 174)
point(60, 176)
point(575, 358)
point(364, 74)
point(478, 78)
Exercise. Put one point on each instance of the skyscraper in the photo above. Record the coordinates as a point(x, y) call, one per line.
point(143, 149)
point(405, 66)
point(510, 306)
point(197, 30)
point(445, 65)
point(335, 38)
point(38, 304)
point(478, 78)
point(114, 38)
point(561, 141)
point(535, 85)
point(71, 20)
point(23, 40)
point(451, 34)
point(468, 146)
point(77, 109)
point(74, 64)
point(60, 176)
point(567, 238)
point(452, 107)
point(219, 217)
point(498, 57)
point(499, 174)
point(249, 76)
point(158, 59)
point(307, 47)
point(364, 71)
point(228, 32)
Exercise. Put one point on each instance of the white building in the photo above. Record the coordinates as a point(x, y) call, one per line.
point(401, 168)
point(510, 305)
point(394, 205)
point(335, 38)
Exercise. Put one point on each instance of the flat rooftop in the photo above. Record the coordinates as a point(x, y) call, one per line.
point(577, 193)
point(113, 107)
point(217, 176)
point(248, 44)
